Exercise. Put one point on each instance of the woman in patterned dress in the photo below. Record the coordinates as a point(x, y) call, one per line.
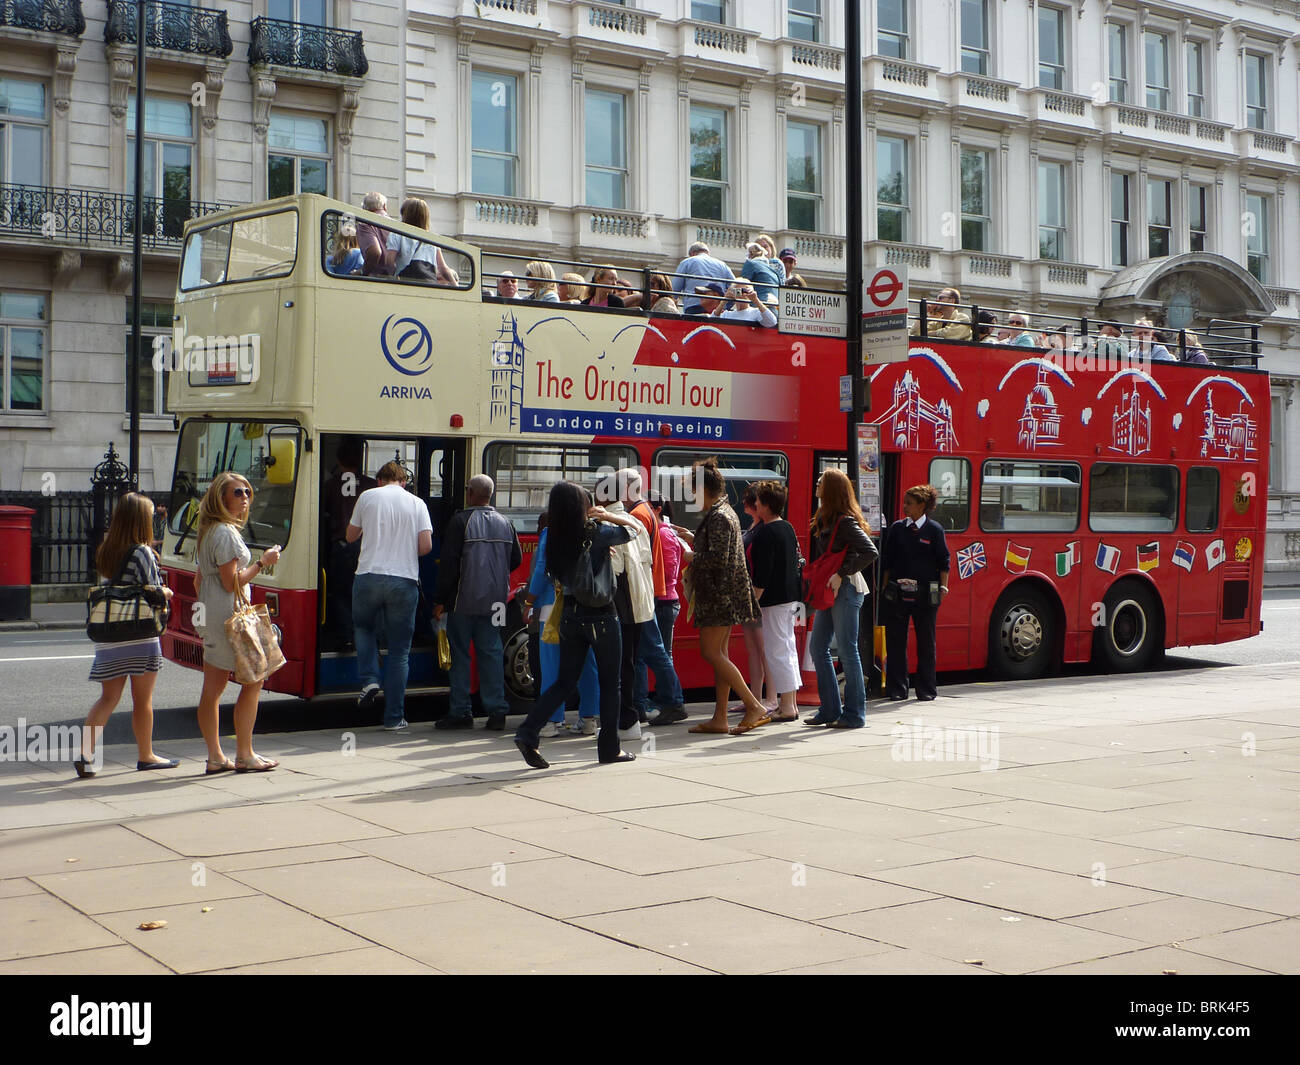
point(723, 597)
point(130, 534)
point(223, 565)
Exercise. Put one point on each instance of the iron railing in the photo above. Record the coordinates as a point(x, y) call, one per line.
point(51, 16)
point(296, 44)
point(198, 30)
point(88, 216)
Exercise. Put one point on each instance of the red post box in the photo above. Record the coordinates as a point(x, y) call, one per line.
point(16, 563)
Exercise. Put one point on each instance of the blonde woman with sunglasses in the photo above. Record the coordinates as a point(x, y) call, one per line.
point(223, 566)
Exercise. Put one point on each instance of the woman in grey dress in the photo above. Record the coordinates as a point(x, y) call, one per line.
point(223, 564)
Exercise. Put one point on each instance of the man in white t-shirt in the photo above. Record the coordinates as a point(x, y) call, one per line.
point(394, 529)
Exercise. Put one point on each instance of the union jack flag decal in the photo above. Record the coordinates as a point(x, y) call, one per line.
point(970, 560)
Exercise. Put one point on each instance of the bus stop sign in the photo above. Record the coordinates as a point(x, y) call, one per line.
point(884, 317)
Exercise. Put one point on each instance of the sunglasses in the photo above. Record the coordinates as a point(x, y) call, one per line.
point(242, 493)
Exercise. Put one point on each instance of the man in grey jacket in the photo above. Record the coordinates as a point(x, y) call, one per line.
point(479, 552)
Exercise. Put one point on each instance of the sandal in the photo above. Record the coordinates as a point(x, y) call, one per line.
point(82, 766)
point(225, 767)
point(742, 728)
point(264, 765)
point(707, 729)
point(782, 717)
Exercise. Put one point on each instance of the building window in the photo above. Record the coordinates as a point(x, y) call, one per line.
point(1117, 37)
point(606, 149)
point(1256, 91)
point(22, 350)
point(1198, 216)
point(22, 132)
point(298, 156)
point(155, 321)
point(1051, 211)
point(976, 197)
point(308, 12)
point(709, 11)
point(975, 36)
point(892, 189)
point(891, 28)
point(805, 22)
point(803, 169)
point(494, 153)
point(1119, 219)
point(1196, 79)
point(1157, 49)
point(1276, 449)
point(709, 175)
point(168, 161)
point(1257, 242)
point(1159, 217)
point(1051, 48)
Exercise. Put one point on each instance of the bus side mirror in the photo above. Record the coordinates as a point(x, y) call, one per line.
point(279, 470)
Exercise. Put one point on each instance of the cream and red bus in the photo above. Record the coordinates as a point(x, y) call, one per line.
point(1094, 510)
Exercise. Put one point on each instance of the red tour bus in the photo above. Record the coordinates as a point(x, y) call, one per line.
point(1091, 512)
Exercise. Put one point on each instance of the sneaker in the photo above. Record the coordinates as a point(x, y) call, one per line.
point(633, 733)
point(454, 721)
point(585, 726)
point(548, 730)
point(398, 727)
point(369, 694)
point(670, 715)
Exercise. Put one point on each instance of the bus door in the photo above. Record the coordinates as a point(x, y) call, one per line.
point(436, 474)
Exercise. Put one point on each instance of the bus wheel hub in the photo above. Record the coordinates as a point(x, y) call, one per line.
point(1022, 633)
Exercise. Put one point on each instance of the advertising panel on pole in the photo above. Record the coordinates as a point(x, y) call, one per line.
point(884, 316)
point(869, 474)
point(812, 313)
point(846, 394)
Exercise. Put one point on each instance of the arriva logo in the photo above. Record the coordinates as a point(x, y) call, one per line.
point(407, 345)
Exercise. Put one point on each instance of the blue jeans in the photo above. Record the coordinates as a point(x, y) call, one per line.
point(588, 687)
point(486, 637)
point(381, 599)
point(652, 653)
point(841, 620)
point(581, 634)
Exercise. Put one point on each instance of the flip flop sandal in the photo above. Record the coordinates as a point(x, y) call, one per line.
point(742, 728)
point(265, 765)
point(225, 768)
point(707, 730)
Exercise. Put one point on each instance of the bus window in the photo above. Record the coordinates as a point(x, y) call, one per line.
point(525, 473)
point(1029, 496)
point(1126, 497)
point(266, 453)
point(248, 248)
point(419, 262)
point(952, 478)
point(380, 451)
point(671, 477)
point(1202, 499)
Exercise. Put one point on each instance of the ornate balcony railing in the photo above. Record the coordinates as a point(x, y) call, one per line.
point(198, 30)
point(52, 16)
point(296, 44)
point(89, 216)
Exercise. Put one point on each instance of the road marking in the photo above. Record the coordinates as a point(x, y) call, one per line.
point(47, 658)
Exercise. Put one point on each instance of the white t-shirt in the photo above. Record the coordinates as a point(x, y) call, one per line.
point(411, 250)
point(750, 313)
point(390, 519)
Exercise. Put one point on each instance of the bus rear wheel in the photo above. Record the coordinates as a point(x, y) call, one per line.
point(1131, 636)
point(1022, 634)
point(521, 685)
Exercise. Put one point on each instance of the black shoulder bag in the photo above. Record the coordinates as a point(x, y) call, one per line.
point(588, 587)
point(120, 613)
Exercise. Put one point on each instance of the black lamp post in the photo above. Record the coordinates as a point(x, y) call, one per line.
point(133, 369)
point(853, 224)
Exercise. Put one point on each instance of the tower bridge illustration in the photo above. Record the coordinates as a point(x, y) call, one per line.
point(914, 422)
point(507, 398)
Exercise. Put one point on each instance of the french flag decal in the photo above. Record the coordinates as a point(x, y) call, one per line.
point(1107, 558)
point(1184, 555)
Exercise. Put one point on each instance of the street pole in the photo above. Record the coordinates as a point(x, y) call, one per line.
point(853, 226)
point(137, 255)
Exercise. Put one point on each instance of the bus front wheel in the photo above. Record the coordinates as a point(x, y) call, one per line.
point(1130, 633)
point(1022, 634)
point(521, 686)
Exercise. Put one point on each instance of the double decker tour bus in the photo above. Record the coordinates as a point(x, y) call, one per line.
point(277, 360)
point(1092, 510)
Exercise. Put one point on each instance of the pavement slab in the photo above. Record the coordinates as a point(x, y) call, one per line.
point(119, 960)
point(451, 849)
point(42, 924)
point(348, 885)
point(1170, 921)
point(254, 827)
point(1234, 885)
point(1154, 961)
point(1275, 947)
point(32, 851)
point(890, 962)
point(1239, 848)
point(130, 887)
point(364, 961)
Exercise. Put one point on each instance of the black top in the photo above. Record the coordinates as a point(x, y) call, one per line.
point(774, 557)
point(859, 550)
point(918, 555)
point(604, 536)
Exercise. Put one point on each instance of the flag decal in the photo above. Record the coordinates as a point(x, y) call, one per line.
point(1184, 555)
point(1214, 554)
point(1017, 558)
point(1066, 560)
point(1149, 556)
point(970, 560)
point(1107, 558)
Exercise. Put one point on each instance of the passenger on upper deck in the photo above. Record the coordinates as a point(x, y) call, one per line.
point(758, 270)
point(944, 319)
point(347, 258)
point(417, 259)
point(610, 290)
point(699, 264)
point(541, 282)
point(507, 286)
point(1145, 344)
point(1110, 343)
point(662, 300)
point(370, 238)
point(1195, 353)
point(757, 311)
point(985, 328)
point(1018, 320)
point(573, 288)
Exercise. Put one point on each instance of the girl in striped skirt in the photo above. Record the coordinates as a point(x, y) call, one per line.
point(129, 537)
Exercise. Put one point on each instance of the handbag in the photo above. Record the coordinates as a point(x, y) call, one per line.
point(251, 635)
point(551, 630)
point(120, 613)
point(444, 644)
point(589, 588)
point(688, 587)
point(817, 593)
